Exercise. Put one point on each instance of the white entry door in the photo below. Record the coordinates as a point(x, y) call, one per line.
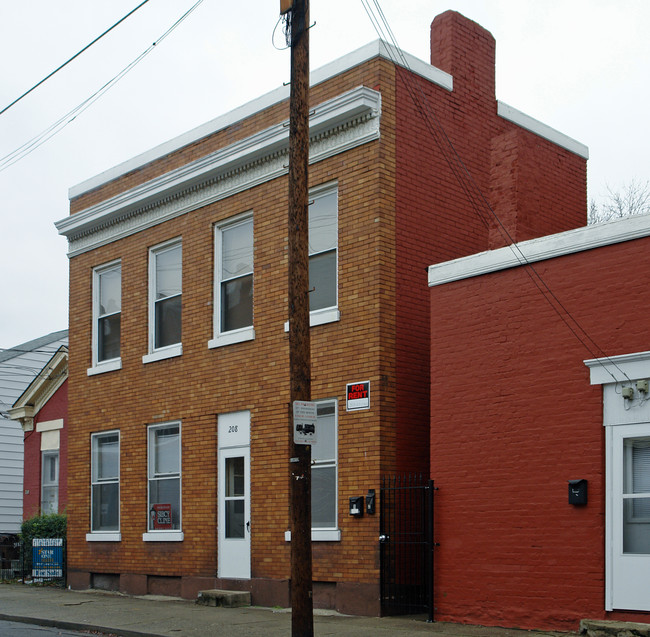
point(630, 516)
point(234, 496)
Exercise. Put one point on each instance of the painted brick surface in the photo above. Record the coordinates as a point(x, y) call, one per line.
point(513, 418)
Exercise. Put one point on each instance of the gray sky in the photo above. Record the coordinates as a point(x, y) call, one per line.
point(580, 66)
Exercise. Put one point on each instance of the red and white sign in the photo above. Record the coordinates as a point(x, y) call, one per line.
point(161, 515)
point(357, 395)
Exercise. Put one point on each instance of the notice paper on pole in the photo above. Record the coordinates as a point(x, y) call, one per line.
point(304, 422)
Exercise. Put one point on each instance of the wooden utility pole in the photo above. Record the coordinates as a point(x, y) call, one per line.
point(302, 619)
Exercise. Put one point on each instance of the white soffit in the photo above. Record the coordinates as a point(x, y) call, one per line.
point(378, 48)
point(618, 369)
point(550, 247)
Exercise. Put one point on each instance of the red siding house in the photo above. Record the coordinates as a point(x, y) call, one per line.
point(179, 386)
point(540, 434)
point(42, 412)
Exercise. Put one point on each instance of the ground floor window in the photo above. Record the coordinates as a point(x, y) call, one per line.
point(324, 456)
point(105, 476)
point(165, 477)
point(49, 482)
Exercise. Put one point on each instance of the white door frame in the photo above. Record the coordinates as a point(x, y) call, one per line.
point(623, 418)
point(234, 553)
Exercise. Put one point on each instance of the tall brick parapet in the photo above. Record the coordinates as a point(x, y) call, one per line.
point(467, 51)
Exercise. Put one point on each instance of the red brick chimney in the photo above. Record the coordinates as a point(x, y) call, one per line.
point(465, 50)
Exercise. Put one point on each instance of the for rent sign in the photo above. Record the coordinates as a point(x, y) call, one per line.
point(358, 395)
point(47, 557)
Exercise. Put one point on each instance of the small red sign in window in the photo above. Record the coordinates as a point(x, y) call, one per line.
point(161, 516)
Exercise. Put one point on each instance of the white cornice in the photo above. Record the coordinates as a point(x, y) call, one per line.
point(349, 120)
point(537, 127)
point(378, 48)
point(550, 247)
point(618, 369)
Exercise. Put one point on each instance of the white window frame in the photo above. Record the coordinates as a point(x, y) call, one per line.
point(50, 453)
point(111, 364)
point(175, 349)
point(245, 333)
point(332, 313)
point(99, 535)
point(333, 533)
point(163, 535)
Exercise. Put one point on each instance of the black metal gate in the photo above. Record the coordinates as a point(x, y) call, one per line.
point(406, 545)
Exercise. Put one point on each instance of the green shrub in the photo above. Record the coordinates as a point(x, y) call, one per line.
point(44, 526)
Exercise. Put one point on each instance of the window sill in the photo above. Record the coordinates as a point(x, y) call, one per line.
point(99, 536)
point(319, 535)
point(230, 338)
point(162, 354)
point(321, 317)
point(107, 366)
point(163, 536)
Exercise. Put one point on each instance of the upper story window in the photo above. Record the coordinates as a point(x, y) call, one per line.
point(165, 295)
point(105, 486)
point(233, 304)
point(164, 455)
point(107, 312)
point(323, 249)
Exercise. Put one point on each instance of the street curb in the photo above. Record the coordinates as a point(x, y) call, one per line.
point(56, 623)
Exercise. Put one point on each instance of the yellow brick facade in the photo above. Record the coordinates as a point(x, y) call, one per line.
point(202, 383)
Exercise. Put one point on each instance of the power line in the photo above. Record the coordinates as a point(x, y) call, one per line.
point(477, 200)
point(31, 145)
point(76, 55)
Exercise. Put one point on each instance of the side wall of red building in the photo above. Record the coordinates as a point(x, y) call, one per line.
point(457, 165)
point(514, 417)
point(56, 408)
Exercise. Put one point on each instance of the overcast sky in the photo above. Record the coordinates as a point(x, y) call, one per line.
point(580, 66)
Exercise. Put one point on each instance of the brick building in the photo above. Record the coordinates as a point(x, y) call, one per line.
point(534, 390)
point(42, 411)
point(178, 343)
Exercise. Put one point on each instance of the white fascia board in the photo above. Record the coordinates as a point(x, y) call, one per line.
point(537, 127)
point(550, 247)
point(357, 103)
point(378, 48)
point(618, 369)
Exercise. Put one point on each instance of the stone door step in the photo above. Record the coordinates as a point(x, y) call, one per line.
point(227, 599)
point(605, 628)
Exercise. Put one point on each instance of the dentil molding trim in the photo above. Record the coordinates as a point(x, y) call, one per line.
point(335, 126)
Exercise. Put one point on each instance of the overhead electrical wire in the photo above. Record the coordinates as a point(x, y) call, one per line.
point(75, 56)
point(56, 127)
point(477, 200)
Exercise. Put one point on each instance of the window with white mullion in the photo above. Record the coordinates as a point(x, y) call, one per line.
point(105, 482)
point(323, 248)
point(164, 477)
point(107, 283)
point(166, 274)
point(324, 456)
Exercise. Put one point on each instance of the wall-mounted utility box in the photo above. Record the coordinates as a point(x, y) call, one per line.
point(578, 492)
point(356, 506)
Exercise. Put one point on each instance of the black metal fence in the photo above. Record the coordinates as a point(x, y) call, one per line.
point(406, 545)
point(23, 562)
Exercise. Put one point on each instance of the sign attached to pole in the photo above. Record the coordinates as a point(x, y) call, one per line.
point(357, 395)
point(304, 422)
point(47, 557)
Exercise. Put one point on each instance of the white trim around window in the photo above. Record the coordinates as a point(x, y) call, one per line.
point(104, 487)
point(233, 281)
point(164, 485)
point(165, 301)
point(106, 318)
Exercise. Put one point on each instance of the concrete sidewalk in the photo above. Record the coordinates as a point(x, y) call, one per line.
point(152, 616)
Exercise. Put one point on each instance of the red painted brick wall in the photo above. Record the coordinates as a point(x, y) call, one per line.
point(513, 418)
point(442, 195)
point(55, 408)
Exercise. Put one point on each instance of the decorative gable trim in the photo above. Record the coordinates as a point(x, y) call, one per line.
point(335, 126)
